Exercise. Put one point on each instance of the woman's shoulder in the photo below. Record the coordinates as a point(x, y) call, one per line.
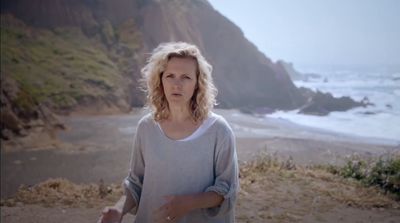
point(145, 121)
point(146, 118)
point(221, 124)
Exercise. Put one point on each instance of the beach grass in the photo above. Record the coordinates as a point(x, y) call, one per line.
point(272, 189)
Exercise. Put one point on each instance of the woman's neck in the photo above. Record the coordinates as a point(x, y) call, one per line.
point(179, 114)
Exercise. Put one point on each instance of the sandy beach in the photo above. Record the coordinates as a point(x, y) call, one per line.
point(95, 148)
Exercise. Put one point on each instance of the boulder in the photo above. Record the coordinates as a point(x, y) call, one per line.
point(323, 103)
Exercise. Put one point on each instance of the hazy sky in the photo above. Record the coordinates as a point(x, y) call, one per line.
point(307, 32)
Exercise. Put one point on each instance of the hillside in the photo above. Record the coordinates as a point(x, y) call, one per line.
point(85, 56)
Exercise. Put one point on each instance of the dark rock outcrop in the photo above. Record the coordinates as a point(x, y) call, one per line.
point(323, 103)
point(17, 120)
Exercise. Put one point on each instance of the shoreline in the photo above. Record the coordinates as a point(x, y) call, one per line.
point(320, 132)
point(99, 147)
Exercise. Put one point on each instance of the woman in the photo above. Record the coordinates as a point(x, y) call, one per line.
point(184, 163)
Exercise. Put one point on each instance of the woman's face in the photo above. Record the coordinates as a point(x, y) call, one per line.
point(179, 80)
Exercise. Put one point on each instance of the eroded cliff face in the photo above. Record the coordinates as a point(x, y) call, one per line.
point(85, 55)
point(25, 119)
point(245, 77)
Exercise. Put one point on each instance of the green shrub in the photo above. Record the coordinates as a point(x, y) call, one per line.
point(385, 174)
point(354, 169)
point(382, 172)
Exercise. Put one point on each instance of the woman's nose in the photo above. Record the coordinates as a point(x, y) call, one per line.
point(177, 82)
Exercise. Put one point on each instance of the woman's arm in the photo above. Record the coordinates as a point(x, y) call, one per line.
point(125, 204)
point(132, 185)
point(204, 200)
point(116, 213)
point(178, 206)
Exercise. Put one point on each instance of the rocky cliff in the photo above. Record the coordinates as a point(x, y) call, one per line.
point(244, 76)
point(86, 55)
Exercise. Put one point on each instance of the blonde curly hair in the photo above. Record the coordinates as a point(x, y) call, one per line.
point(204, 96)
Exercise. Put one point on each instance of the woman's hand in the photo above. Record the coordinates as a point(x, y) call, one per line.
point(111, 215)
point(174, 209)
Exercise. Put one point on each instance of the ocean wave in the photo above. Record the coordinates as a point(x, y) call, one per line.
point(379, 121)
point(379, 125)
point(396, 76)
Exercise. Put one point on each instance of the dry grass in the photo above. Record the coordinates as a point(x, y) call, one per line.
point(283, 192)
point(61, 192)
point(270, 190)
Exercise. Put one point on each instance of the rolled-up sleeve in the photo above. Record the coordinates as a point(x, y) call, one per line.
point(134, 181)
point(226, 181)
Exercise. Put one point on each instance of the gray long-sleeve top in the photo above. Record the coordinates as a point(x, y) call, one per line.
point(161, 166)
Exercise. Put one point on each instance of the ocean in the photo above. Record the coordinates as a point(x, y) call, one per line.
point(380, 85)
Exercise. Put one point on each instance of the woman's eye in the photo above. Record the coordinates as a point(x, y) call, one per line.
point(187, 77)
